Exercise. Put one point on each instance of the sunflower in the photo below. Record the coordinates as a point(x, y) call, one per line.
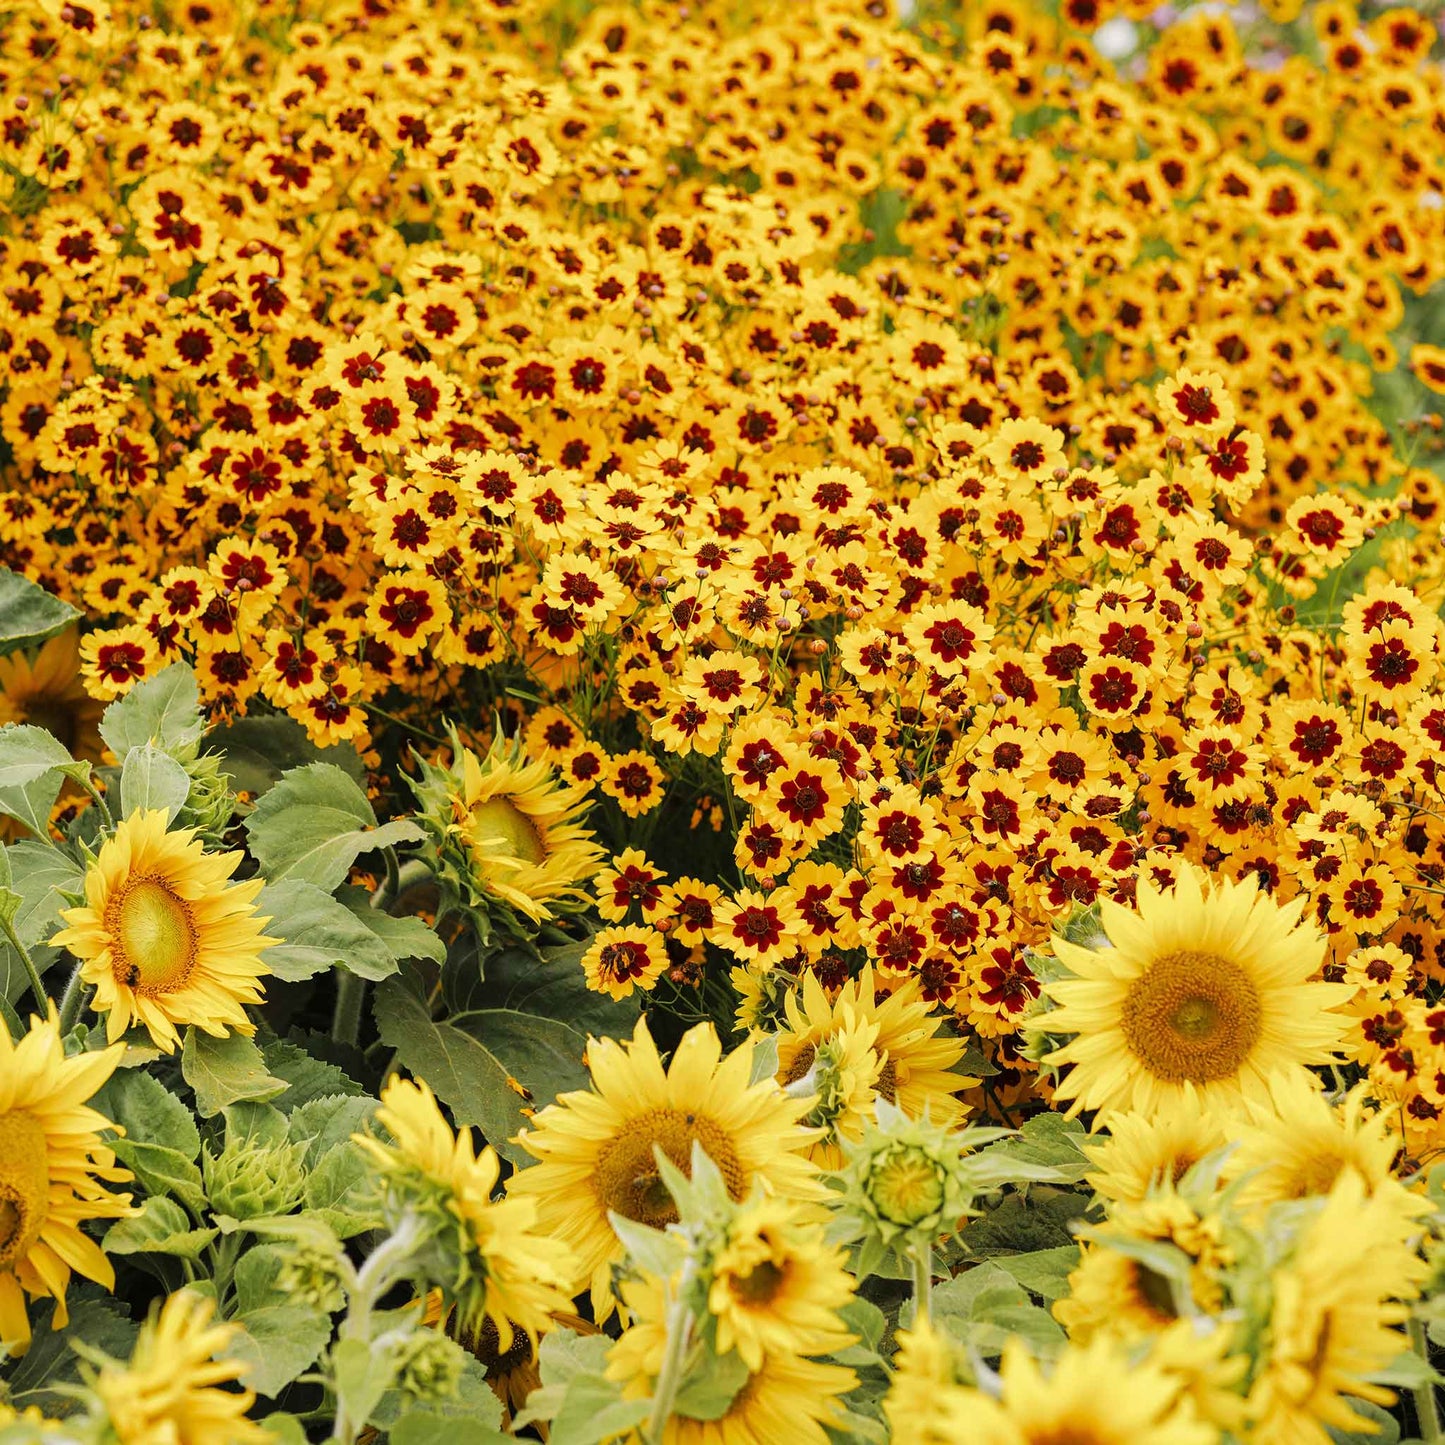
point(51, 1165)
point(1209, 989)
point(777, 1287)
point(170, 1389)
point(164, 937)
point(516, 830)
point(786, 1398)
point(1141, 1151)
point(925, 1404)
point(918, 1062)
point(1092, 1396)
point(46, 690)
point(502, 1270)
point(596, 1147)
point(1332, 1320)
point(1298, 1143)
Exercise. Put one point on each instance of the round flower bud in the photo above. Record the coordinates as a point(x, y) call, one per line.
point(248, 1182)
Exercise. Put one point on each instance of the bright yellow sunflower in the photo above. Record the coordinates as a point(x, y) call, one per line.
point(1336, 1305)
point(170, 1391)
point(786, 1399)
point(777, 1287)
point(520, 830)
point(1297, 1143)
point(45, 689)
point(163, 936)
point(917, 1061)
point(505, 1272)
point(595, 1147)
point(1205, 988)
point(51, 1165)
point(1142, 1151)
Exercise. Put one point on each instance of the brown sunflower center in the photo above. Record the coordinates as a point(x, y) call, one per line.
point(155, 937)
point(24, 1186)
point(1192, 1016)
point(761, 1285)
point(500, 818)
point(802, 1062)
point(626, 1179)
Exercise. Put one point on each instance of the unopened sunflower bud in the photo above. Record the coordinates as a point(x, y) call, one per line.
point(246, 1182)
point(429, 1365)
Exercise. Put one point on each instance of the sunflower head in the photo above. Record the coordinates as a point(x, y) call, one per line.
point(164, 936)
point(510, 841)
point(1205, 987)
point(45, 689)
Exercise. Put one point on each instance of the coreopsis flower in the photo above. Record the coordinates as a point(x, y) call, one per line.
point(164, 937)
point(622, 959)
point(53, 1172)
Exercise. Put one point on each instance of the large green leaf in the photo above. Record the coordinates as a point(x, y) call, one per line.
point(42, 875)
point(319, 933)
point(259, 751)
point(162, 1227)
point(148, 1112)
point(33, 768)
point(462, 1072)
point(153, 779)
point(315, 823)
point(404, 937)
point(554, 986)
point(159, 1170)
point(277, 1342)
point(28, 613)
point(544, 1055)
point(163, 710)
point(306, 1077)
point(224, 1071)
point(96, 1320)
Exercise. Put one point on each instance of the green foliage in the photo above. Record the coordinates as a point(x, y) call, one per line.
point(225, 1071)
point(162, 711)
point(151, 778)
point(34, 766)
point(321, 933)
point(28, 613)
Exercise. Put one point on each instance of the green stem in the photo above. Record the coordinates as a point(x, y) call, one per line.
point(72, 1000)
point(921, 1257)
point(1427, 1412)
point(99, 800)
point(42, 998)
point(346, 1020)
point(679, 1337)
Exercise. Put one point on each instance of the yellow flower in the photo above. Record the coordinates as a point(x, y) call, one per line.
point(596, 1147)
point(1141, 1151)
point(45, 689)
point(51, 1165)
point(1333, 1318)
point(164, 938)
point(521, 830)
point(925, 1404)
point(506, 1273)
point(1210, 990)
point(169, 1392)
point(776, 1286)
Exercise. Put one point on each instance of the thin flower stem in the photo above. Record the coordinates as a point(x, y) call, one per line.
point(42, 999)
point(346, 1020)
point(679, 1337)
point(1427, 1411)
point(72, 1001)
point(921, 1258)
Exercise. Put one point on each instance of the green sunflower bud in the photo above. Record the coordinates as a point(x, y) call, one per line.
point(248, 1182)
point(210, 802)
point(429, 1365)
point(311, 1275)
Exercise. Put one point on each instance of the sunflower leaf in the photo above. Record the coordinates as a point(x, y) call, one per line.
point(277, 1342)
point(141, 1105)
point(225, 1071)
point(163, 711)
point(28, 613)
point(152, 779)
point(162, 1227)
point(320, 933)
point(33, 768)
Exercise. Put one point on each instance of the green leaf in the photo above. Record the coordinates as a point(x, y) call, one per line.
point(464, 1074)
point(983, 1307)
point(28, 613)
point(339, 1191)
point(556, 988)
point(652, 1250)
point(544, 1055)
point(424, 1428)
point(255, 1278)
point(96, 1320)
point(306, 1077)
point(33, 768)
point(250, 1125)
point(403, 937)
point(259, 751)
point(584, 1406)
point(327, 1122)
point(360, 1379)
point(42, 875)
point(319, 933)
point(315, 823)
point(225, 1071)
point(711, 1385)
point(159, 1170)
point(1044, 1271)
point(162, 1227)
point(163, 711)
point(153, 779)
point(277, 1343)
point(148, 1111)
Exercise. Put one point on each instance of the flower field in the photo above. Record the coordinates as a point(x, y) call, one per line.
point(723, 723)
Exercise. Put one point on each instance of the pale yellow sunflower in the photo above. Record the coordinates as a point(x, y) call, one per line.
point(504, 1271)
point(1142, 1151)
point(52, 1163)
point(1211, 989)
point(521, 830)
point(171, 1389)
point(595, 1146)
point(45, 689)
point(164, 937)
